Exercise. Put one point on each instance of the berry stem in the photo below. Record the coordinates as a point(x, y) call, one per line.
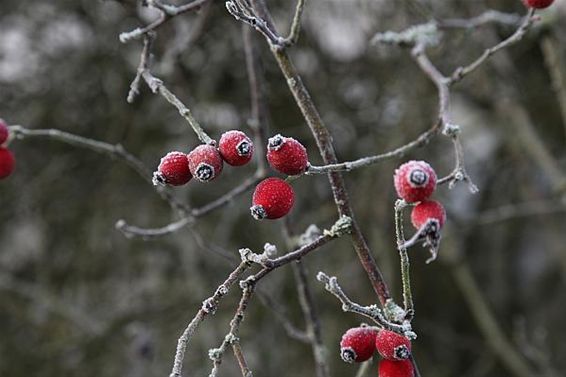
point(405, 264)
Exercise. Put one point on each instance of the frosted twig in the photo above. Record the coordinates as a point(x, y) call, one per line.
point(420, 141)
point(190, 218)
point(232, 338)
point(243, 11)
point(404, 257)
point(461, 72)
point(488, 17)
point(112, 150)
point(372, 311)
point(157, 86)
point(209, 306)
point(459, 173)
point(295, 30)
point(166, 12)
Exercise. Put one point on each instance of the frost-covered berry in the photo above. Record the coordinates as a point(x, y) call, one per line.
point(273, 198)
point(426, 210)
point(538, 4)
point(7, 163)
point(392, 346)
point(414, 181)
point(172, 170)
point(205, 163)
point(392, 368)
point(3, 131)
point(287, 155)
point(235, 148)
point(357, 344)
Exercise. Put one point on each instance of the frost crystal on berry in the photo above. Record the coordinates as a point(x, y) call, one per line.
point(204, 172)
point(235, 148)
point(243, 148)
point(272, 198)
point(414, 181)
point(275, 142)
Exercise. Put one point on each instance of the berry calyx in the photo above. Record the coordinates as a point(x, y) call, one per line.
point(538, 4)
point(4, 132)
point(235, 148)
point(357, 344)
point(426, 210)
point(391, 368)
point(7, 163)
point(392, 346)
point(287, 155)
point(273, 198)
point(173, 170)
point(414, 181)
point(205, 163)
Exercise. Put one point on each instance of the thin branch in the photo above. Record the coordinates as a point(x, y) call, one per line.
point(166, 12)
point(517, 36)
point(209, 306)
point(295, 30)
point(259, 116)
point(312, 319)
point(459, 174)
point(408, 305)
point(231, 339)
point(488, 17)
point(190, 218)
point(422, 140)
point(157, 86)
point(113, 150)
point(372, 312)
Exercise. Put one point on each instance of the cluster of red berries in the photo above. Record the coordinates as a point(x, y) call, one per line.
point(359, 344)
point(538, 4)
point(7, 160)
point(205, 162)
point(273, 197)
point(415, 181)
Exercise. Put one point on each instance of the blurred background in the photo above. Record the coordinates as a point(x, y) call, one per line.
point(79, 298)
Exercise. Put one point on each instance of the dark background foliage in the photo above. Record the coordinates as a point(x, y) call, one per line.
point(78, 298)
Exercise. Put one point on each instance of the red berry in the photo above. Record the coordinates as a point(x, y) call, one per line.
point(287, 155)
point(391, 368)
point(7, 163)
point(414, 181)
point(205, 163)
point(392, 346)
point(273, 198)
point(425, 210)
point(538, 4)
point(3, 131)
point(236, 148)
point(358, 344)
point(172, 170)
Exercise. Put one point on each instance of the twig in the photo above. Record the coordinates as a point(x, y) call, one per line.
point(259, 116)
point(112, 150)
point(459, 173)
point(372, 311)
point(422, 140)
point(312, 319)
point(209, 306)
point(157, 86)
point(461, 72)
point(166, 12)
point(490, 16)
point(232, 338)
point(295, 30)
point(404, 257)
point(190, 218)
